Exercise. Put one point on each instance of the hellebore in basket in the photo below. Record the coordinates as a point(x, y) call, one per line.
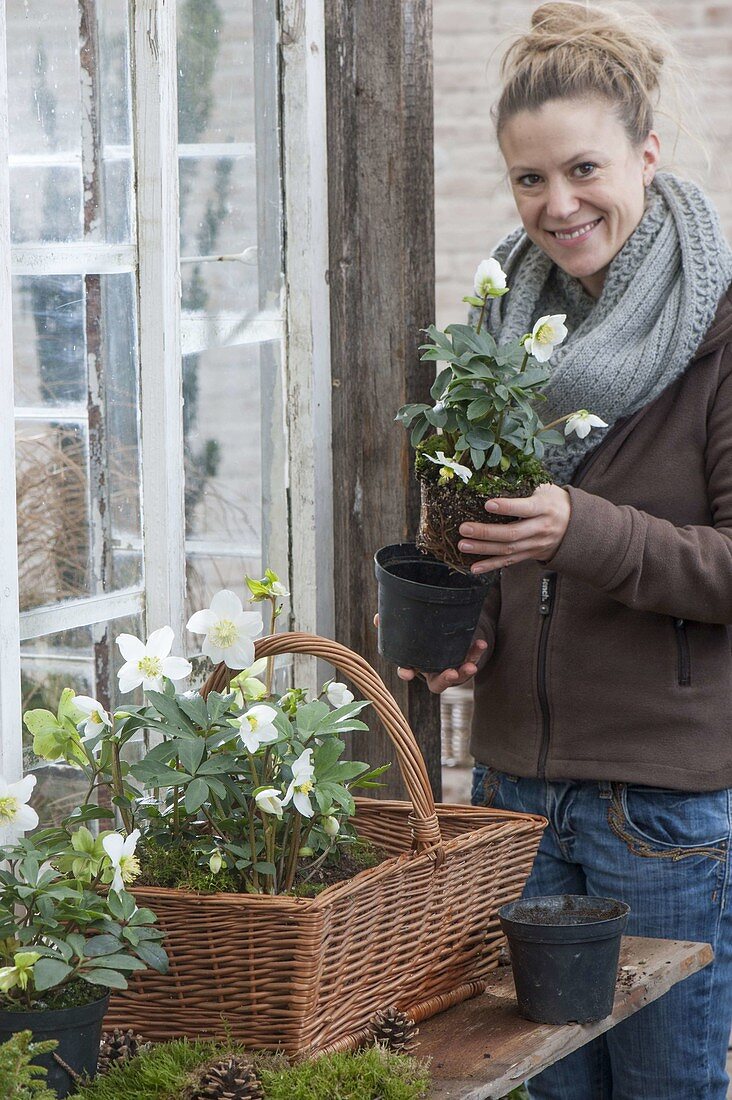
point(241, 791)
point(483, 437)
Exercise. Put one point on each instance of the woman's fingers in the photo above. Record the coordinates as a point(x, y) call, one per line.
point(437, 682)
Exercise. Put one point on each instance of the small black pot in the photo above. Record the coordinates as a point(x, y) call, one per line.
point(427, 612)
point(78, 1031)
point(564, 955)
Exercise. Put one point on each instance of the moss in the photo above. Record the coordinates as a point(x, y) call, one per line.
point(166, 1071)
point(366, 1075)
point(529, 474)
point(344, 863)
point(178, 868)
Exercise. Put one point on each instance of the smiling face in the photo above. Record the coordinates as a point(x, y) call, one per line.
point(578, 182)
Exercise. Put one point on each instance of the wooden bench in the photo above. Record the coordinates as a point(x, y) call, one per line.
point(481, 1049)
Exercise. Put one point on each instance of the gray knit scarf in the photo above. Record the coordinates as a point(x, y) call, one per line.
point(623, 349)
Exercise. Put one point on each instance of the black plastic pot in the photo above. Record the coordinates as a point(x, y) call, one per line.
point(427, 612)
point(78, 1031)
point(564, 955)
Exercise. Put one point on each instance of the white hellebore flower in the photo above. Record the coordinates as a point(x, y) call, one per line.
point(121, 852)
point(269, 801)
point(338, 694)
point(301, 784)
point(97, 718)
point(450, 467)
point(148, 662)
point(582, 422)
point(489, 276)
point(13, 803)
point(546, 334)
point(229, 630)
point(256, 728)
point(331, 825)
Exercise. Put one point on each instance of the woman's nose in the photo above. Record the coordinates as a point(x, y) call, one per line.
point(561, 202)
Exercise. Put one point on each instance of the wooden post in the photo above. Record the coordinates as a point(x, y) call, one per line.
point(381, 228)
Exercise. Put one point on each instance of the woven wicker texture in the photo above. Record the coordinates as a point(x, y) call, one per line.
point(305, 975)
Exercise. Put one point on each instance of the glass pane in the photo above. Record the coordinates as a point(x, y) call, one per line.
point(69, 107)
point(75, 358)
point(219, 216)
point(43, 76)
point(223, 478)
point(45, 203)
point(86, 660)
point(215, 71)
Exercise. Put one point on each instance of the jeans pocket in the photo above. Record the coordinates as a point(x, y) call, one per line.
point(656, 821)
point(485, 785)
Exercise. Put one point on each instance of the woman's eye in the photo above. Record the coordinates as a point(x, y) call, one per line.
point(529, 180)
point(585, 169)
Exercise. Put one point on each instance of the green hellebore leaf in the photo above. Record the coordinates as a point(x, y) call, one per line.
point(196, 795)
point(49, 972)
point(154, 956)
point(111, 978)
point(101, 945)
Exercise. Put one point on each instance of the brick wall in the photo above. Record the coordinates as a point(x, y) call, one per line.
point(473, 201)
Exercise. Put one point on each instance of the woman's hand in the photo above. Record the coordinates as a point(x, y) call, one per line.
point(449, 677)
point(537, 533)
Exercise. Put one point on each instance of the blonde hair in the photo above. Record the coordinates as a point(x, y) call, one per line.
point(577, 51)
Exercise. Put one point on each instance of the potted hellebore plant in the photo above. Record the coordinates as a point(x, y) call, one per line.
point(243, 793)
point(482, 438)
point(69, 930)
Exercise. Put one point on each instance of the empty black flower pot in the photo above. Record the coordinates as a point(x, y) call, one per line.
point(564, 955)
point(77, 1030)
point(428, 613)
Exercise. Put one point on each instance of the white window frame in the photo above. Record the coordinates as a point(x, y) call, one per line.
point(297, 418)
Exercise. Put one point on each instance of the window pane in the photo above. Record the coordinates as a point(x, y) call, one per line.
point(215, 71)
point(75, 363)
point(69, 111)
point(223, 448)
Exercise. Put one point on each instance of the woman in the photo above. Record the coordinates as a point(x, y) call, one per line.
point(603, 695)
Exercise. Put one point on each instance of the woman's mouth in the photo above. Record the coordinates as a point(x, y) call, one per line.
point(574, 236)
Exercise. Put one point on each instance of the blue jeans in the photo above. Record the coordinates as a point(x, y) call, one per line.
point(665, 853)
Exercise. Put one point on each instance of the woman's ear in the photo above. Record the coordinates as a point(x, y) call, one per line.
point(651, 157)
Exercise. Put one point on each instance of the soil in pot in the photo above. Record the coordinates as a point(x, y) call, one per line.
point(77, 1029)
point(564, 954)
point(446, 506)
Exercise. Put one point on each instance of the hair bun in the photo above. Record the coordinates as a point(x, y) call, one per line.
point(584, 51)
point(630, 39)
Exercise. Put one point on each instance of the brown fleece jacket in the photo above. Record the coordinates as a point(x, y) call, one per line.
point(612, 660)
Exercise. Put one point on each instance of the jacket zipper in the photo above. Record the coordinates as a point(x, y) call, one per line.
point(684, 657)
point(546, 607)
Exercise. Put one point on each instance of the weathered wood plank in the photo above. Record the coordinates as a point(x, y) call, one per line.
point(481, 1049)
point(381, 228)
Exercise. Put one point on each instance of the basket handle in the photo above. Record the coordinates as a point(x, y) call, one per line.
point(423, 819)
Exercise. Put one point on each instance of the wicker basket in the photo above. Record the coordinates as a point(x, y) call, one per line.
point(305, 975)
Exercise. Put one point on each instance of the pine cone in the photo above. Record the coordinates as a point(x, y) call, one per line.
point(230, 1079)
point(395, 1030)
point(116, 1047)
